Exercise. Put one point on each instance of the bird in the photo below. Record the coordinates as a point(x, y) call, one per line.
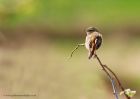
point(93, 41)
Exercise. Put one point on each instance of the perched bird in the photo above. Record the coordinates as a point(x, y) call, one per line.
point(93, 41)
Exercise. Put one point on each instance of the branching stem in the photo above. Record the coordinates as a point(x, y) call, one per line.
point(104, 67)
point(107, 70)
point(78, 45)
point(109, 76)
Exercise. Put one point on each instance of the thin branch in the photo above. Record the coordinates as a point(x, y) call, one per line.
point(76, 49)
point(120, 85)
point(109, 76)
point(114, 88)
point(106, 67)
point(107, 70)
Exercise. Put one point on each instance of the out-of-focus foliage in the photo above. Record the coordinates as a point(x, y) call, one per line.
point(58, 13)
point(13, 12)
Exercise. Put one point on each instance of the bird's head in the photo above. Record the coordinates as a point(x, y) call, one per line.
point(90, 30)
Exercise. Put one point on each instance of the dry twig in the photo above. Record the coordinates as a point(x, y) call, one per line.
point(107, 70)
point(104, 67)
point(78, 45)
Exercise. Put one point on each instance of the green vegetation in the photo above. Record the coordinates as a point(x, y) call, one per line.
point(68, 12)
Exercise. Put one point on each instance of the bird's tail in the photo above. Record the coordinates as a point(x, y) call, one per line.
point(91, 54)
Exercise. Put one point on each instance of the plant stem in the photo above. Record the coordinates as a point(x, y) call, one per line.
point(120, 85)
point(104, 67)
point(78, 45)
point(109, 76)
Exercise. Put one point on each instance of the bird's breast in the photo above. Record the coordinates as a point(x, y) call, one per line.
point(89, 38)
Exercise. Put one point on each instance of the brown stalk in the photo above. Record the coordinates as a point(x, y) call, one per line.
point(104, 67)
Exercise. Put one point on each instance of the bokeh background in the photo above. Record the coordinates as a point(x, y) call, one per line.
point(37, 36)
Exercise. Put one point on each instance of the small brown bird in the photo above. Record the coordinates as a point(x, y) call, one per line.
point(93, 41)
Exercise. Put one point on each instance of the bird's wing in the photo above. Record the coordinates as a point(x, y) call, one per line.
point(98, 41)
point(92, 48)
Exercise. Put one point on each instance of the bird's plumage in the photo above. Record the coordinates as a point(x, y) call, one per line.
point(93, 42)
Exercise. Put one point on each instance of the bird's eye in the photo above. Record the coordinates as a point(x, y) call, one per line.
point(89, 30)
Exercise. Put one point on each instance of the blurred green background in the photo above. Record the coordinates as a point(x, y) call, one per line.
point(37, 36)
